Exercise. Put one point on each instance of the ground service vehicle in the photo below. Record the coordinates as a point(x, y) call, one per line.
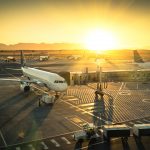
point(44, 58)
point(120, 130)
point(10, 59)
point(88, 132)
point(48, 99)
point(141, 130)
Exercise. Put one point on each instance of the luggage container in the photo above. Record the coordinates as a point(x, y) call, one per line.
point(120, 130)
point(141, 130)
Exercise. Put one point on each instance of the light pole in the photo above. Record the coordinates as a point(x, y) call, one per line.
point(99, 73)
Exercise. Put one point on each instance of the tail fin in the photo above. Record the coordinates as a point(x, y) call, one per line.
point(22, 60)
point(137, 57)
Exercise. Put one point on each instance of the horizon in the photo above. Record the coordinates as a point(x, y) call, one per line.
point(58, 46)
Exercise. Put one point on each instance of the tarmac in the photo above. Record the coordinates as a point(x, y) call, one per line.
point(24, 125)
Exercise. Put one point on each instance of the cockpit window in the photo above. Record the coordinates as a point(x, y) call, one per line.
point(58, 81)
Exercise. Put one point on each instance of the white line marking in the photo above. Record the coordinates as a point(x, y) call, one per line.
point(55, 142)
point(125, 93)
point(119, 90)
point(124, 85)
point(66, 140)
point(138, 122)
point(72, 99)
point(73, 123)
point(48, 137)
point(90, 108)
point(45, 147)
point(83, 105)
point(91, 114)
point(137, 86)
point(146, 100)
point(83, 112)
point(77, 110)
point(3, 138)
point(31, 147)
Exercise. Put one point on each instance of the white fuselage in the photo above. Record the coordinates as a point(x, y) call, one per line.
point(51, 80)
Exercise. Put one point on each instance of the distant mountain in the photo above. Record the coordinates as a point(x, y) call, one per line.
point(41, 46)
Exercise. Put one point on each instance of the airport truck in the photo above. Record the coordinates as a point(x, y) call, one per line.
point(115, 130)
point(10, 59)
point(44, 58)
point(88, 132)
point(47, 99)
point(141, 130)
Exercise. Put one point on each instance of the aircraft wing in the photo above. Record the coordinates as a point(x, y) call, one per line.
point(14, 69)
point(26, 81)
point(20, 80)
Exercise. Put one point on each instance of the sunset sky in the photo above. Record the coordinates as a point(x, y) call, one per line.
point(126, 22)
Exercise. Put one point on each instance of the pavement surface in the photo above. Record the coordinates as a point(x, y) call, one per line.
point(25, 126)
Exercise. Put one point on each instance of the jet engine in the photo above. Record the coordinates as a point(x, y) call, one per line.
point(24, 87)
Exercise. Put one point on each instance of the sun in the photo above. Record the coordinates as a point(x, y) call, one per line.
point(99, 40)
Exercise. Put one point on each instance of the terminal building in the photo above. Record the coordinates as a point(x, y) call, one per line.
point(81, 78)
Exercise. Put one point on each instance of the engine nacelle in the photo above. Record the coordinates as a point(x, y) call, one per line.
point(25, 87)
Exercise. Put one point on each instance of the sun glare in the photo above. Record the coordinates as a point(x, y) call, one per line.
point(99, 40)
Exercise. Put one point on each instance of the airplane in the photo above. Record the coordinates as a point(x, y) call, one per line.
point(74, 57)
point(139, 62)
point(44, 58)
point(52, 81)
point(10, 59)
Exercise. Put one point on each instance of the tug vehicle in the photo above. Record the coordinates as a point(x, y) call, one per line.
point(44, 58)
point(47, 99)
point(89, 131)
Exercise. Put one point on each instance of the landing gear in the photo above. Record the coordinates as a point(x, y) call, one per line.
point(39, 102)
point(56, 96)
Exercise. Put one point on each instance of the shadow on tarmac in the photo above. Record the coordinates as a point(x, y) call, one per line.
point(78, 145)
point(8, 104)
point(108, 146)
point(102, 112)
point(125, 145)
point(22, 117)
point(139, 143)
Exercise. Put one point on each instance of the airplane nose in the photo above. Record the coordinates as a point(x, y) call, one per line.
point(64, 87)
